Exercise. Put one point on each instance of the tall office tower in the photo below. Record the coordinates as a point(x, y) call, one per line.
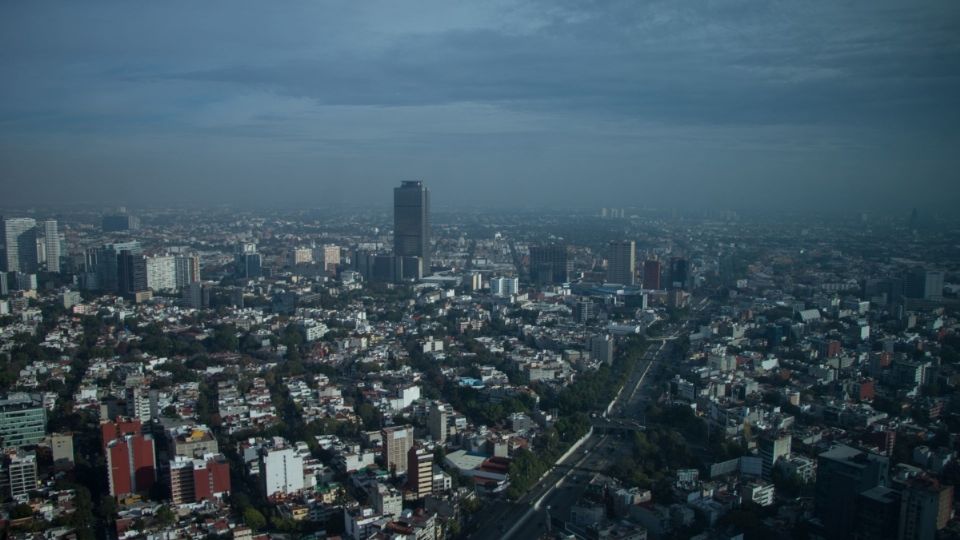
point(282, 471)
point(926, 284)
point(23, 421)
point(162, 273)
point(131, 272)
point(119, 222)
point(843, 473)
point(622, 262)
point(19, 474)
point(20, 239)
point(420, 472)
point(550, 264)
point(651, 275)
point(131, 465)
point(51, 245)
point(103, 264)
point(437, 421)
point(602, 348)
point(199, 479)
point(773, 447)
point(397, 441)
point(187, 270)
point(925, 508)
point(248, 262)
point(679, 273)
point(411, 222)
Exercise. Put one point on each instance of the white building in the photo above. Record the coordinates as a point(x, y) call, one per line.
point(162, 273)
point(282, 471)
point(504, 286)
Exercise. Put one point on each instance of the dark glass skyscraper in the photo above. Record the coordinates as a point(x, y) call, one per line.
point(411, 222)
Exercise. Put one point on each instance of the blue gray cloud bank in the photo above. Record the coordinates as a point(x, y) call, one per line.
point(732, 103)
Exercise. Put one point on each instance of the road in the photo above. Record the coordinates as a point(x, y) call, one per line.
point(564, 484)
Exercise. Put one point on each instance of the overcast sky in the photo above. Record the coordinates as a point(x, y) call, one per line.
point(731, 103)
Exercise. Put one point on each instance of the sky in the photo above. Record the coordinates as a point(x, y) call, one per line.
point(833, 104)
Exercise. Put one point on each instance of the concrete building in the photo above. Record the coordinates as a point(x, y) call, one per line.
point(843, 472)
point(550, 264)
point(387, 500)
point(131, 465)
point(419, 472)
point(396, 444)
point(187, 270)
point(926, 507)
point(19, 475)
point(62, 447)
point(622, 262)
point(20, 239)
point(51, 245)
point(651, 275)
point(437, 421)
point(162, 273)
point(773, 448)
point(282, 472)
point(602, 348)
point(193, 441)
point(411, 222)
point(504, 286)
point(199, 479)
point(23, 421)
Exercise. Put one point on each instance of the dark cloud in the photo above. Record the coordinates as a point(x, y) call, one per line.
point(709, 102)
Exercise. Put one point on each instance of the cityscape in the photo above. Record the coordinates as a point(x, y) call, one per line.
point(510, 270)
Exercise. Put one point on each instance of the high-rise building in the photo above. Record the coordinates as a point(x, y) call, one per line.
point(550, 264)
point(51, 245)
point(187, 270)
point(282, 471)
point(20, 240)
point(622, 262)
point(843, 473)
point(584, 310)
point(397, 441)
point(420, 472)
point(131, 272)
point(504, 286)
point(651, 275)
point(679, 273)
point(19, 474)
point(301, 255)
point(328, 256)
point(248, 262)
point(602, 348)
point(437, 421)
point(926, 284)
point(926, 507)
point(199, 479)
point(162, 273)
point(773, 447)
point(119, 222)
point(131, 465)
point(411, 222)
point(23, 421)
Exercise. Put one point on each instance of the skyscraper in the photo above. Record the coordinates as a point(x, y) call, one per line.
point(622, 262)
point(20, 239)
point(550, 264)
point(651, 275)
point(131, 272)
point(411, 222)
point(51, 245)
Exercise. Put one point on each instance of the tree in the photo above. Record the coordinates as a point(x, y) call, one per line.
point(166, 516)
point(254, 519)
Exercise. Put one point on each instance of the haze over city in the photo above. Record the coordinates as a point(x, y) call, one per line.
point(747, 104)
